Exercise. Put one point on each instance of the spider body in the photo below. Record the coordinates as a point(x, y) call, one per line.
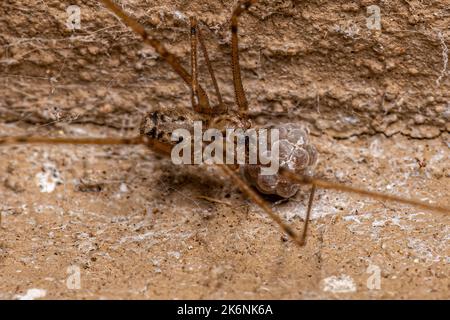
point(161, 123)
point(296, 152)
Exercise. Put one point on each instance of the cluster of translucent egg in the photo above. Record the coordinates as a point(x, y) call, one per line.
point(295, 154)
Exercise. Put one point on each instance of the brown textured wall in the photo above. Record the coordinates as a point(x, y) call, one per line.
point(313, 60)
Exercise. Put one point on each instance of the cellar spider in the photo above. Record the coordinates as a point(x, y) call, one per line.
point(158, 126)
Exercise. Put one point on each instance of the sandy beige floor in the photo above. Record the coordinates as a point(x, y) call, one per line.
point(135, 227)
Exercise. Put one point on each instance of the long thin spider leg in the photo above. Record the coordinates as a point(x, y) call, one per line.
point(63, 140)
point(221, 107)
point(308, 214)
point(203, 103)
point(260, 202)
point(153, 144)
point(372, 194)
point(241, 100)
point(194, 63)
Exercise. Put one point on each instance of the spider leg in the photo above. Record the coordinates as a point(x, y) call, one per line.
point(308, 214)
point(196, 37)
point(203, 101)
point(194, 63)
point(371, 194)
point(49, 140)
point(153, 144)
point(261, 203)
point(221, 107)
point(241, 100)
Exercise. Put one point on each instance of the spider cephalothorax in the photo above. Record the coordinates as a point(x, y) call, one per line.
point(162, 122)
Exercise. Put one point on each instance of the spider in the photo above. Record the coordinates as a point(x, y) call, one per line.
point(298, 156)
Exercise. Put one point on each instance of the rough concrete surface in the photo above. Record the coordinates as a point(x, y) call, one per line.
point(135, 226)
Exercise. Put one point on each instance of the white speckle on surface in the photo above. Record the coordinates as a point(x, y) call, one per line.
point(41, 208)
point(174, 254)
point(87, 246)
point(437, 157)
point(339, 284)
point(351, 120)
point(349, 30)
point(49, 178)
point(339, 175)
point(378, 223)
point(137, 238)
point(423, 250)
point(179, 15)
point(353, 218)
point(123, 187)
point(296, 207)
point(375, 148)
point(32, 294)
